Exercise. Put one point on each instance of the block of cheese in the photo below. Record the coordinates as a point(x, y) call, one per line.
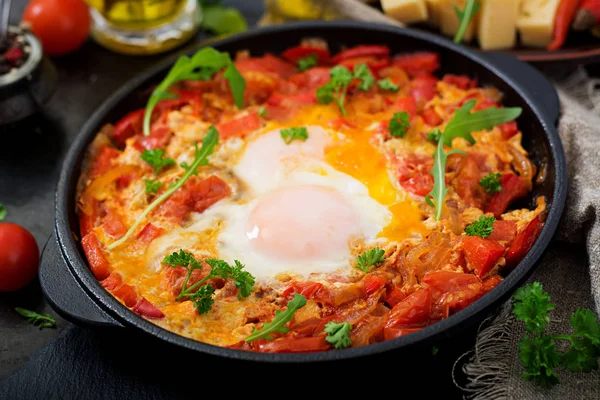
point(497, 25)
point(407, 11)
point(434, 10)
point(449, 21)
point(535, 22)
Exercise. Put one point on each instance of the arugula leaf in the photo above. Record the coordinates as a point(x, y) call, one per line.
point(277, 325)
point(222, 20)
point(44, 320)
point(463, 123)
point(538, 351)
point(307, 62)
point(201, 158)
point(434, 135)
point(362, 72)
point(338, 334)
point(201, 66)
point(152, 186)
point(465, 16)
point(370, 258)
point(262, 111)
point(491, 183)
point(399, 124)
point(156, 158)
point(291, 134)
point(483, 227)
point(435, 198)
point(3, 212)
point(387, 84)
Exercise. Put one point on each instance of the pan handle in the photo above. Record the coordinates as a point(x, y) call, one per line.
point(63, 292)
point(539, 87)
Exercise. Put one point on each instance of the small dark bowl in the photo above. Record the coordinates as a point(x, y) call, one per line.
point(75, 293)
point(25, 90)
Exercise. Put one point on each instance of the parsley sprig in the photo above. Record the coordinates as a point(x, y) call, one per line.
point(399, 124)
point(387, 84)
point(200, 293)
point(3, 212)
point(295, 133)
point(537, 350)
point(465, 16)
point(201, 158)
point(483, 227)
point(338, 334)
point(201, 66)
point(152, 186)
point(491, 183)
point(336, 88)
point(462, 124)
point(307, 62)
point(157, 160)
point(278, 324)
point(44, 320)
point(370, 258)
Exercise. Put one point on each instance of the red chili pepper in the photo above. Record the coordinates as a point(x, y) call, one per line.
point(587, 16)
point(562, 23)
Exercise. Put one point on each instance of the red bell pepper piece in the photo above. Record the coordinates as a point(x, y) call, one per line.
point(373, 283)
point(296, 53)
point(460, 81)
point(361, 51)
point(147, 309)
point(98, 262)
point(413, 311)
point(423, 88)
point(504, 231)
point(103, 161)
point(513, 188)
point(523, 242)
point(431, 118)
point(149, 233)
point(128, 126)
point(239, 127)
point(418, 63)
point(562, 22)
point(481, 254)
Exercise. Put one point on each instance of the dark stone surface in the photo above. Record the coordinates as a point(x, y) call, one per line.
point(75, 362)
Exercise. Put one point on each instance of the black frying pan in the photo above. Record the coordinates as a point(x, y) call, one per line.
point(75, 293)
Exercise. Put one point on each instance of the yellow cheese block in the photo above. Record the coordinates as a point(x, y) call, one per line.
point(407, 11)
point(497, 26)
point(449, 21)
point(434, 10)
point(535, 22)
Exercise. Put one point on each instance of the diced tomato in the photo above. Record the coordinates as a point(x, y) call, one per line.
point(393, 295)
point(113, 281)
point(396, 75)
point(407, 104)
point(481, 254)
point(466, 182)
point(98, 262)
point(312, 78)
point(113, 224)
point(306, 289)
point(184, 97)
point(160, 135)
point(523, 242)
point(127, 293)
point(195, 195)
point(460, 81)
point(147, 309)
point(490, 283)
point(431, 117)
point(290, 344)
point(418, 63)
point(298, 52)
point(457, 289)
point(103, 161)
point(513, 188)
point(414, 173)
point(124, 181)
point(87, 222)
point(361, 51)
point(375, 64)
point(373, 283)
point(508, 129)
point(413, 311)
point(128, 126)
point(504, 231)
point(423, 88)
point(239, 127)
point(267, 64)
point(149, 233)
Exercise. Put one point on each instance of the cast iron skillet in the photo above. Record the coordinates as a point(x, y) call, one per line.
point(74, 292)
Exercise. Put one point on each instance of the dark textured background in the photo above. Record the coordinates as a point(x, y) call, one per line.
point(75, 362)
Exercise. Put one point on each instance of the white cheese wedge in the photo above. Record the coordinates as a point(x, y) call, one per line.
point(535, 22)
point(434, 11)
point(497, 26)
point(407, 11)
point(449, 21)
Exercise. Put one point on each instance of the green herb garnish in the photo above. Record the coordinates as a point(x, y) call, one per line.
point(152, 186)
point(262, 111)
point(201, 66)
point(156, 158)
point(44, 320)
point(369, 258)
point(537, 350)
point(363, 73)
point(399, 124)
point(336, 88)
point(387, 84)
point(307, 62)
point(338, 334)
point(434, 135)
point(200, 293)
point(465, 16)
point(3, 212)
point(483, 227)
point(291, 134)
point(491, 183)
point(201, 158)
point(277, 325)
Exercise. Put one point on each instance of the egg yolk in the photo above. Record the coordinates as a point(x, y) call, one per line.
point(302, 223)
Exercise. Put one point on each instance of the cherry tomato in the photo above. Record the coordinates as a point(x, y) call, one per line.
point(19, 257)
point(61, 25)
